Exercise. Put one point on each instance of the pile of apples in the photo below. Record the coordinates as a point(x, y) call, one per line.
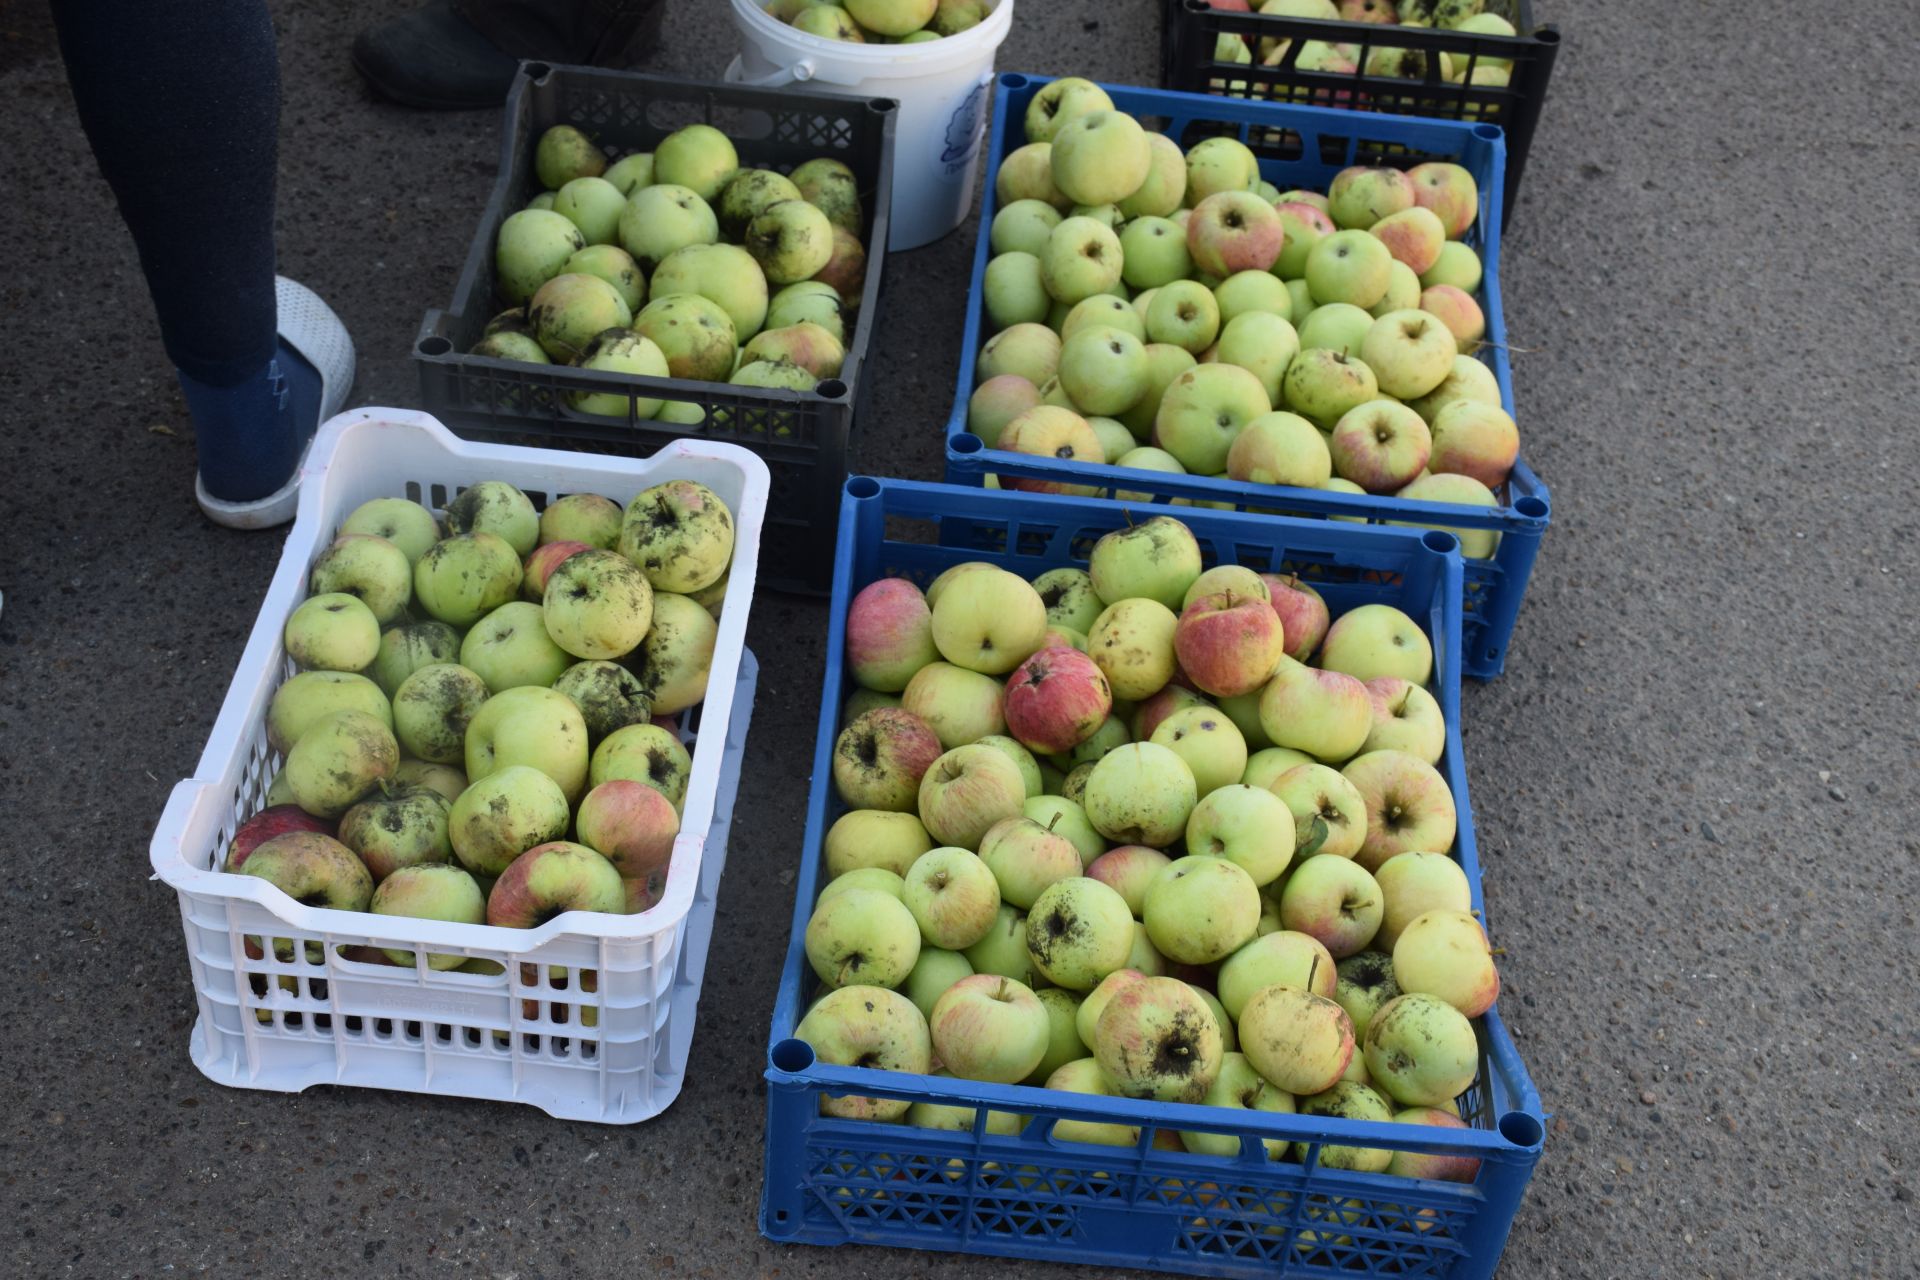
point(881, 21)
point(480, 728)
point(1175, 313)
point(1110, 833)
point(751, 274)
point(1473, 17)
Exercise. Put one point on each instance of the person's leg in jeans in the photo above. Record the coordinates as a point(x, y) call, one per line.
point(182, 104)
point(455, 54)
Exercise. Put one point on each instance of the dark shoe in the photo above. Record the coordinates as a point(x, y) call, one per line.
point(434, 59)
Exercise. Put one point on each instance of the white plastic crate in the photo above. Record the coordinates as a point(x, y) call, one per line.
point(588, 1017)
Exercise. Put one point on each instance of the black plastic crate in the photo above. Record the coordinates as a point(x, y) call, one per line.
point(802, 435)
point(1192, 28)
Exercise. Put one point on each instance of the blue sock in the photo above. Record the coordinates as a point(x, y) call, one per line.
point(250, 436)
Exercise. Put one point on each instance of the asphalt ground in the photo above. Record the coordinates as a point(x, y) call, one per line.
point(1695, 785)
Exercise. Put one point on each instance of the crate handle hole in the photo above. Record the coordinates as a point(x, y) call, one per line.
point(1013, 80)
point(883, 106)
point(792, 1056)
point(965, 442)
point(1441, 541)
point(1531, 507)
point(1547, 35)
point(863, 487)
point(1488, 131)
point(535, 70)
point(435, 346)
point(831, 389)
point(1519, 1128)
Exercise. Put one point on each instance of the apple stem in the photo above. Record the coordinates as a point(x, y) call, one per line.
point(1313, 968)
point(1052, 821)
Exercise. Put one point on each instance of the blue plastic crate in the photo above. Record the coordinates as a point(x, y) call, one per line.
point(1297, 146)
point(832, 1181)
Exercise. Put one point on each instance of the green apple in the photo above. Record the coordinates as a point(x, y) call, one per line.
point(933, 972)
point(430, 893)
point(1014, 291)
point(989, 1027)
point(372, 570)
point(1457, 265)
point(1375, 640)
point(597, 604)
point(724, 273)
point(966, 792)
point(530, 726)
point(614, 265)
point(1201, 909)
point(1473, 438)
point(1414, 883)
point(466, 576)
point(1128, 869)
point(1078, 932)
point(592, 204)
point(1233, 231)
point(790, 239)
point(432, 709)
point(313, 869)
point(1104, 369)
point(1204, 410)
point(1298, 1041)
point(1323, 386)
point(830, 184)
point(406, 649)
point(623, 352)
point(1212, 747)
point(746, 194)
point(1060, 101)
point(1347, 266)
point(532, 248)
point(693, 333)
point(1004, 950)
point(954, 897)
point(698, 157)
point(1348, 1100)
point(1337, 326)
point(663, 218)
point(1444, 953)
point(609, 696)
point(876, 838)
point(892, 17)
point(1329, 813)
point(1365, 985)
point(405, 826)
point(1263, 343)
point(564, 153)
point(862, 936)
point(568, 312)
point(1141, 793)
point(1248, 292)
point(1421, 1051)
point(1027, 174)
point(1249, 826)
point(1063, 1037)
point(631, 172)
point(811, 302)
point(1333, 900)
point(867, 1027)
point(1324, 713)
point(1475, 544)
point(1184, 314)
point(1165, 186)
point(1103, 311)
point(311, 696)
point(1413, 236)
point(1220, 164)
point(1083, 258)
point(1280, 448)
point(1028, 350)
point(1065, 817)
point(1165, 362)
point(1468, 379)
point(680, 534)
point(1157, 559)
point(510, 648)
point(989, 621)
point(1361, 196)
point(1405, 718)
point(332, 632)
point(962, 706)
point(1240, 1087)
point(1086, 1076)
point(406, 524)
point(339, 759)
point(1024, 227)
point(645, 753)
point(1155, 252)
point(1100, 157)
point(1265, 766)
point(1410, 353)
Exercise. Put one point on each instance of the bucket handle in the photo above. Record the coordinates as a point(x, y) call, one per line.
point(778, 78)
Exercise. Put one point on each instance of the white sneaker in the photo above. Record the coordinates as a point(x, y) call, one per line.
point(310, 327)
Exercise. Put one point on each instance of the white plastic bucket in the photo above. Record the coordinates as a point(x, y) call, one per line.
point(941, 86)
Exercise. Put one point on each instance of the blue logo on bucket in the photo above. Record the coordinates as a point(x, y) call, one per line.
point(963, 132)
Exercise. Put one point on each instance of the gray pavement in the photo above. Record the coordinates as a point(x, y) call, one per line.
point(1695, 786)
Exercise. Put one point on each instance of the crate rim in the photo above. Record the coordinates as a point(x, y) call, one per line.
point(791, 1062)
point(1256, 22)
point(166, 853)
